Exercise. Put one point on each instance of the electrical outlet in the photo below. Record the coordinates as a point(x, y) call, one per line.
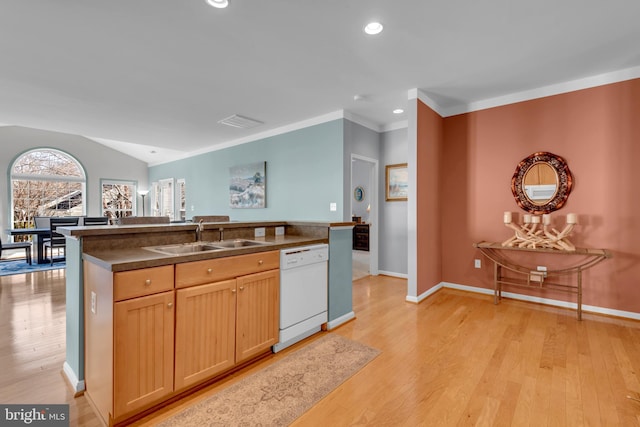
point(94, 302)
point(542, 268)
point(477, 263)
point(259, 232)
point(279, 231)
point(333, 206)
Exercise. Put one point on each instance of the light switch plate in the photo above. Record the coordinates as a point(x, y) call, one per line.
point(259, 232)
point(279, 231)
point(477, 263)
point(333, 206)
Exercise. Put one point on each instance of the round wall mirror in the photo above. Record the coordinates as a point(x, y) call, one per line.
point(541, 183)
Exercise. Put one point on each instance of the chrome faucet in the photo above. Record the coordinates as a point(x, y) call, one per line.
point(221, 230)
point(199, 230)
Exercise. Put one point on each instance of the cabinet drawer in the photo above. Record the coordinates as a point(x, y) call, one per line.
point(146, 281)
point(213, 270)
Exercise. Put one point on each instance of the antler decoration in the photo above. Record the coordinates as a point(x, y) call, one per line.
point(531, 235)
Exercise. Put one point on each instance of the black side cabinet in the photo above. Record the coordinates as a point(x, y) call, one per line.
point(361, 237)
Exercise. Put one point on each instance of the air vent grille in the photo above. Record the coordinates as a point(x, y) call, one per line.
point(238, 121)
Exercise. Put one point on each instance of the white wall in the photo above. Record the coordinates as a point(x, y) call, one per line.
point(98, 161)
point(393, 237)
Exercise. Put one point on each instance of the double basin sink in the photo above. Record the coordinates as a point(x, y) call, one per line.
point(197, 247)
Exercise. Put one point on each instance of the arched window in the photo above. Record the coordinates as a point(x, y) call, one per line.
point(46, 182)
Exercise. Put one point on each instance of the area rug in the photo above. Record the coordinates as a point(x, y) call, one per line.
point(280, 393)
point(21, 266)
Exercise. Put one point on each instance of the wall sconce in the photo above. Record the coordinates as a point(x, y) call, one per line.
point(143, 193)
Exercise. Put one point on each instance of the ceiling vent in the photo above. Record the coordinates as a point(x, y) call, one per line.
point(241, 122)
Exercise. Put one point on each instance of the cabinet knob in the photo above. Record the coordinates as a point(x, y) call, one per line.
point(170, 305)
point(260, 262)
point(147, 282)
point(233, 291)
point(242, 288)
point(209, 270)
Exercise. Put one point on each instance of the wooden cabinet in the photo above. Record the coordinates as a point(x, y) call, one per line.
point(361, 237)
point(223, 323)
point(129, 331)
point(153, 333)
point(258, 314)
point(143, 351)
point(205, 331)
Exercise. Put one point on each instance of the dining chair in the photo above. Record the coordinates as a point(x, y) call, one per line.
point(58, 240)
point(211, 218)
point(17, 245)
point(131, 220)
point(95, 220)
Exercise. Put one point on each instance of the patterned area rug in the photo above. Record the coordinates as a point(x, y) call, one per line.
point(280, 393)
point(21, 266)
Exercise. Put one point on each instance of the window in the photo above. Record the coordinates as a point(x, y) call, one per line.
point(182, 198)
point(118, 199)
point(46, 182)
point(162, 199)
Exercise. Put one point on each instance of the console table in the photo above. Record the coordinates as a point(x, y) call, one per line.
point(529, 277)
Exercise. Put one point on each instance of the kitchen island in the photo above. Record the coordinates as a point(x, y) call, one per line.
point(115, 250)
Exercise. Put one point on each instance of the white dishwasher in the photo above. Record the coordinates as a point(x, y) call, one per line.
point(303, 293)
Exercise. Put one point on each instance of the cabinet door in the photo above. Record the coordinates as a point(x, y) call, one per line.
point(143, 365)
point(258, 313)
point(205, 331)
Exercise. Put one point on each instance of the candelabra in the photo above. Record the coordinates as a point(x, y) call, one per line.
point(531, 235)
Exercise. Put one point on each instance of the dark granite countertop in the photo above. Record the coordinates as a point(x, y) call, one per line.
point(136, 258)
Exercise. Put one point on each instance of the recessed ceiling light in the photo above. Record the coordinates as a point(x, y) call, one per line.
point(220, 4)
point(373, 28)
point(398, 111)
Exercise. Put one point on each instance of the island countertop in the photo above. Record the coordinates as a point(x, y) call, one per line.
point(140, 257)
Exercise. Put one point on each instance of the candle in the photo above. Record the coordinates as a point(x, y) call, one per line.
point(572, 218)
point(507, 217)
point(535, 219)
point(527, 218)
point(546, 219)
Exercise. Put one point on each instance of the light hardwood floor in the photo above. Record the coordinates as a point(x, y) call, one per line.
point(454, 359)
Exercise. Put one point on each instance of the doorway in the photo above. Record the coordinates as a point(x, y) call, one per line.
point(364, 209)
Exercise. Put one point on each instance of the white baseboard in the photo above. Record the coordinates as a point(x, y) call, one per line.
point(424, 295)
point(546, 301)
point(76, 384)
point(392, 274)
point(332, 324)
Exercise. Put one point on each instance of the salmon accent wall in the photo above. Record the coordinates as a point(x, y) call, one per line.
point(429, 171)
point(596, 130)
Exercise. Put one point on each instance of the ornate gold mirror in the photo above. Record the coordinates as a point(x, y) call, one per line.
point(542, 183)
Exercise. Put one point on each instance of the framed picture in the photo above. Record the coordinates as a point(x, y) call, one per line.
point(247, 186)
point(358, 193)
point(397, 183)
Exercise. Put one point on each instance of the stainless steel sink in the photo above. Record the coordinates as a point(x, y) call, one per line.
point(238, 243)
point(198, 247)
point(184, 248)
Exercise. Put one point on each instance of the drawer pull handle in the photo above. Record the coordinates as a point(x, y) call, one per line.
point(147, 282)
point(209, 270)
point(260, 262)
point(170, 305)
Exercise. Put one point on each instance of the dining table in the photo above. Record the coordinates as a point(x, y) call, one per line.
point(39, 235)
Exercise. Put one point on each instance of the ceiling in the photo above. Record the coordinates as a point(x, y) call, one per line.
point(152, 78)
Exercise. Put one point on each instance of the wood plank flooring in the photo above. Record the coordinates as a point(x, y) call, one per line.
point(453, 360)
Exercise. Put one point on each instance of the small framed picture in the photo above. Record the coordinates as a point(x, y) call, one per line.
point(397, 183)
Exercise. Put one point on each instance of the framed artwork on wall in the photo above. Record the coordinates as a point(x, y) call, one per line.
point(247, 186)
point(396, 183)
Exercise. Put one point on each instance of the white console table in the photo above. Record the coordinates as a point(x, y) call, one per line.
point(528, 277)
